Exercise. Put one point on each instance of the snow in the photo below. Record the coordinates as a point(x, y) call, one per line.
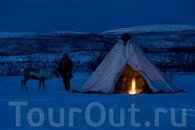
point(68, 32)
point(28, 34)
point(133, 29)
point(56, 109)
point(15, 34)
point(150, 28)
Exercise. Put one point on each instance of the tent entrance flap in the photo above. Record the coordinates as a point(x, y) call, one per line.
point(130, 81)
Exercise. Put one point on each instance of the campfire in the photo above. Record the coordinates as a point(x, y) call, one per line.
point(133, 87)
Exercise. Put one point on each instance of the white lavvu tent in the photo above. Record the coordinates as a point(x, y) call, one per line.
point(127, 59)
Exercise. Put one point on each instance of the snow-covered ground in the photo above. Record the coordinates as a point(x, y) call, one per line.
point(150, 28)
point(56, 109)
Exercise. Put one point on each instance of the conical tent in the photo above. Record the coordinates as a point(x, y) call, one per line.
point(129, 60)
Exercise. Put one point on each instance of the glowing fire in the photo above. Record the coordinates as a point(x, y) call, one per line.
point(133, 85)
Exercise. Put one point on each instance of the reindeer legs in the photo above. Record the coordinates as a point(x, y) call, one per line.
point(43, 82)
point(40, 81)
point(24, 83)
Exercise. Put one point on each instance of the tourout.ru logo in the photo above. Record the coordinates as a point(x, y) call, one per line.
point(104, 115)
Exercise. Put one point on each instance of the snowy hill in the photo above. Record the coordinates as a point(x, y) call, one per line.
point(151, 28)
point(158, 36)
point(22, 49)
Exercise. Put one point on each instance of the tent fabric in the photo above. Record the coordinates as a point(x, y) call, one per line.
point(107, 74)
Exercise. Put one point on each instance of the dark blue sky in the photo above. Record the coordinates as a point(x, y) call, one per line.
point(91, 15)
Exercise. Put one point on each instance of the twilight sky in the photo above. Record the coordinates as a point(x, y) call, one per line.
point(91, 15)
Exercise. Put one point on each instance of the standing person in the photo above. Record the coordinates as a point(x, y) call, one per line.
point(65, 68)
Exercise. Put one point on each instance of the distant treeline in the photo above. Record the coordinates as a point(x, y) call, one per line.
point(167, 61)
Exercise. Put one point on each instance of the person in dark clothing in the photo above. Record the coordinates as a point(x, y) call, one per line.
point(65, 69)
point(122, 84)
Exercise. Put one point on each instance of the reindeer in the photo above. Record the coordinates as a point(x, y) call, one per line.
point(37, 74)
